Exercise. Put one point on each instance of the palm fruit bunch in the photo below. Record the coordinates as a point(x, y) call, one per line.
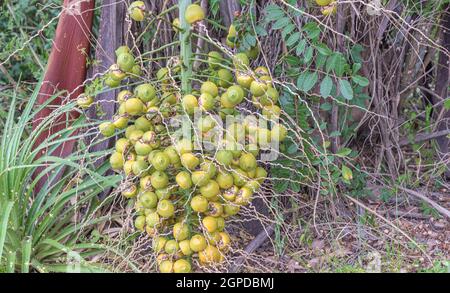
point(182, 195)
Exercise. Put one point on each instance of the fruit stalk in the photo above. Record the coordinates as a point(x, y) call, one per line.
point(185, 48)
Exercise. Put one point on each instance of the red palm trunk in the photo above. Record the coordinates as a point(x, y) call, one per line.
point(66, 67)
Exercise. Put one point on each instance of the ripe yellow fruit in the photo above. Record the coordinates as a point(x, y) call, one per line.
point(165, 208)
point(241, 61)
point(215, 209)
point(189, 103)
point(199, 204)
point(185, 247)
point(209, 167)
point(224, 242)
point(247, 162)
point(323, 2)
point(159, 179)
point(244, 196)
point(224, 157)
point(84, 101)
point(184, 146)
point(329, 10)
point(197, 243)
point(183, 179)
point(194, 13)
point(189, 161)
point(258, 88)
point(152, 220)
point(206, 102)
point(210, 255)
point(182, 266)
point(210, 190)
point(225, 180)
point(230, 193)
point(210, 224)
point(200, 178)
point(166, 266)
point(180, 231)
point(160, 161)
point(134, 106)
point(171, 247)
point(159, 243)
point(210, 88)
point(122, 145)
point(244, 80)
point(137, 10)
point(116, 161)
point(176, 23)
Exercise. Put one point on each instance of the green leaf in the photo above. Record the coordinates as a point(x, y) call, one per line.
point(344, 152)
point(447, 104)
point(360, 80)
point(260, 31)
point(281, 23)
point(331, 63)
point(273, 12)
point(335, 133)
point(287, 30)
point(300, 47)
point(309, 82)
point(309, 54)
point(326, 86)
point(312, 30)
point(293, 39)
point(250, 40)
point(326, 107)
point(346, 89)
point(323, 49)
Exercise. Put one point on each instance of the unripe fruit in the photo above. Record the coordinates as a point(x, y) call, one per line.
point(146, 92)
point(143, 124)
point(130, 129)
point(225, 77)
point(134, 106)
point(329, 10)
point(225, 180)
point(116, 161)
point(199, 204)
point(127, 167)
point(107, 129)
point(160, 161)
point(271, 112)
point(220, 224)
point(152, 220)
point(84, 101)
point(166, 267)
point(225, 101)
point(241, 61)
point(180, 231)
point(239, 177)
point(122, 144)
point(137, 10)
point(183, 179)
point(231, 209)
point(278, 133)
point(214, 59)
point(139, 223)
point(185, 247)
point(247, 162)
point(136, 70)
point(142, 148)
point(258, 88)
point(148, 199)
point(235, 94)
point(171, 152)
point(112, 83)
point(253, 52)
point(209, 167)
point(244, 80)
point(197, 243)
point(176, 24)
point(125, 61)
point(189, 161)
point(213, 238)
point(261, 174)
point(181, 266)
point(171, 247)
point(194, 13)
point(206, 123)
point(200, 178)
point(189, 103)
point(165, 208)
point(263, 136)
point(135, 136)
point(159, 179)
point(206, 102)
point(224, 157)
point(163, 193)
point(209, 223)
point(210, 190)
point(122, 49)
point(253, 185)
point(139, 167)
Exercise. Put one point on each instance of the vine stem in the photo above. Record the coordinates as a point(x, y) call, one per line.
point(185, 48)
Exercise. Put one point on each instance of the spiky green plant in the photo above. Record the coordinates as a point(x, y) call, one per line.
point(45, 231)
